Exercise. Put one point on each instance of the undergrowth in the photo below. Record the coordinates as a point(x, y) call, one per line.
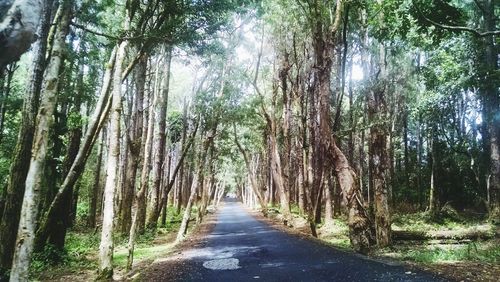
point(82, 247)
point(474, 251)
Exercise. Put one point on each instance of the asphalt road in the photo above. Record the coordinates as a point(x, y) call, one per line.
point(242, 248)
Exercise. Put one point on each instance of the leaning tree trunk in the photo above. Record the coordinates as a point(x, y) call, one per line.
point(187, 212)
point(196, 184)
point(95, 124)
point(18, 27)
point(360, 232)
point(22, 152)
point(106, 245)
point(34, 179)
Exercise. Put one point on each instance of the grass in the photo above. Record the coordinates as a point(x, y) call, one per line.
point(429, 252)
point(78, 256)
point(82, 246)
point(336, 234)
point(140, 254)
point(484, 251)
point(421, 221)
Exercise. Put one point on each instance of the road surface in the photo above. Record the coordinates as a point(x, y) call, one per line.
point(242, 248)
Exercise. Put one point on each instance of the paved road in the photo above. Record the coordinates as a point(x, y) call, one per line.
point(241, 248)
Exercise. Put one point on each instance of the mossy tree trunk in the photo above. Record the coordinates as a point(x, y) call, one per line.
point(29, 211)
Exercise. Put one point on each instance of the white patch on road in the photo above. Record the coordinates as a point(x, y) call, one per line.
point(268, 265)
point(222, 264)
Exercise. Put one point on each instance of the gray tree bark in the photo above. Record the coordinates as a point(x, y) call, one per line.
point(106, 246)
point(19, 21)
point(45, 119)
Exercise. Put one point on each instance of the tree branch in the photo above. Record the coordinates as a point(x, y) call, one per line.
point(458, 28)
point(93, 31)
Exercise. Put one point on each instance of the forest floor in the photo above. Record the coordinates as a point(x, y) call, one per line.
point(457, 260)
point(80, 262)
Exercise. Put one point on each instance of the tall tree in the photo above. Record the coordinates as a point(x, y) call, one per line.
point(106, 246)
point(160, 113)
point(34, 178)
point(22, 152)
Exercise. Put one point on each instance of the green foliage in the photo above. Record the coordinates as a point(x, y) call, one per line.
point(474, 251)
point(75, 120)
point(422, 221)
point(175, 124)
point(77, 255)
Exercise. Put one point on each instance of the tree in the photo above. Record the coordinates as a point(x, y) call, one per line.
point(22, 152)
point(29, 210)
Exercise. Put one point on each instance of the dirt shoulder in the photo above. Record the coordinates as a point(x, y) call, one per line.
point(167, 268)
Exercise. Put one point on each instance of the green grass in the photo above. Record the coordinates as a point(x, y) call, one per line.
point(140, 253)
point(476, 251)
point(421, 221)
point(336, 234)
point(79, 254)
point(82, 246)
point(341, 243)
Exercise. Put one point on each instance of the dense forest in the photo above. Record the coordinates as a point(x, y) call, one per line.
point(120, 117)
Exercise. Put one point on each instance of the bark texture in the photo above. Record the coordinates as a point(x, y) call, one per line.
point(106, 246)
point(34, 178)
point(22, 152)
point(160, 113)
point(360, 232)
point(18, 26)
point(95, 124)
point(379, 155)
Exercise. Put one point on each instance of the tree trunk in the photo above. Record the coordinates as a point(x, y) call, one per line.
point(328, 200)
point(96, 186)
point(196, 184)
point(29, 210)
point(181, 178)
point(251, 175)
point(359, 226)
point(492, 108)
point(147, 141)
point(64, 218)
point(160, 113)
point(433, 193)
point(134, 147)
point(379, 155)
point(187, 211)
point(95, 124)
point(419, 161)
point(5, 87)
point(140, 198)
point(106, 245)
point(276, 170)
point(22, 152)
